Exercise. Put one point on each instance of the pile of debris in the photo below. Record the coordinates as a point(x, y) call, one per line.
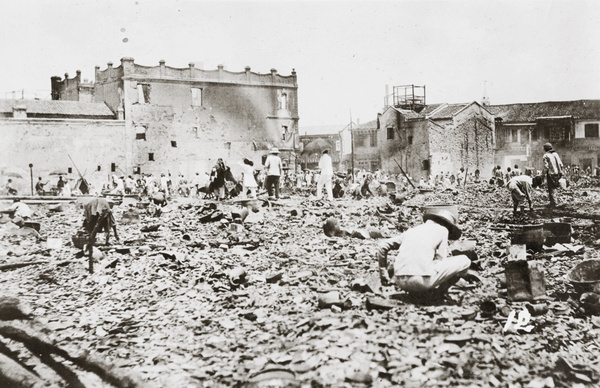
point(226, 293)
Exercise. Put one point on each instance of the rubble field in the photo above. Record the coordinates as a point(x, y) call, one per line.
point(210, 296)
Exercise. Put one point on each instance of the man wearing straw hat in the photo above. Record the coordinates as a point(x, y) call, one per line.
point(423, 263)
point(273, 170)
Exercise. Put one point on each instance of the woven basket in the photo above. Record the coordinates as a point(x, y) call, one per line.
point(80, 239)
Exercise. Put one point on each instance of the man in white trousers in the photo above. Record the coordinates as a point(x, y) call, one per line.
point(326, 167)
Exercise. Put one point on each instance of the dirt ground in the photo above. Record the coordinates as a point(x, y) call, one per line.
point(161, 306)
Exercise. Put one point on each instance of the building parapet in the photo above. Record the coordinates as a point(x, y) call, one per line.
point(131, 70)
point(110, 74)
point(61, 121)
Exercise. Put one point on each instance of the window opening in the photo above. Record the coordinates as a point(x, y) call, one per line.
point(390, 133)
point(284, 132)
point(113, 167)
point(283, 104)
point(514, 135)
point(151, 156)
point(140, 132)
point(591, 130)
point(196, 97)
point(534, 134)
point(173, 144)
point(143, 93)
point(70, 170)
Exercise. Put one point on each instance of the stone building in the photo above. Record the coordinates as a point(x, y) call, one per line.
point(571, 126)
point(365, 145)
point(436, 139)
point(181, 120)
point(48, 134)
point(136, 119)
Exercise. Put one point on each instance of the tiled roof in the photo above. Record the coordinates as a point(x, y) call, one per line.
point(59, 108)
point(446, 112)
point(429, 108)
point(368, 125)
point(409, 114)
point(529, 112)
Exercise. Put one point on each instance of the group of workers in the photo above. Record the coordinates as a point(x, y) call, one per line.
point(423, 265)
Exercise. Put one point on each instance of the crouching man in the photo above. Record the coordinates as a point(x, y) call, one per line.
point(18, 212)
point(423, 265)
point(98, 217)
point(520, 191)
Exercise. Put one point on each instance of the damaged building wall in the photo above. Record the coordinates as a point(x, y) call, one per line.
point(67, 89)
point(425, 146)
point(403, 141)
point(108, 86)
point(391, 140)
point(72, 89)
point(523, 143)
point(417, 149)
point(514, 145)
point(571, 126)
point(183, 120)
point(366, 146)
point(466, 141)
point(585, 149)
point(48, 143)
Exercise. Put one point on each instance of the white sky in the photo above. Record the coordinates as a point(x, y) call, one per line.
point(344, 52)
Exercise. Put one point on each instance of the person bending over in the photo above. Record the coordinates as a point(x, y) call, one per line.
point(423, 263)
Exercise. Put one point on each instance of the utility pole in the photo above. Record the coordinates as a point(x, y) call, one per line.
point(31, 176)
point(352, 146)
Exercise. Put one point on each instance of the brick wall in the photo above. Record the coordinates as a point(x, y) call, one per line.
point(463, 141)
point(47, 144)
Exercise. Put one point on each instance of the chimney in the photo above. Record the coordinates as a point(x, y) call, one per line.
point(485, 100)
point(386, 99)
point(19, 112)
point(192, 65)
point(55, 83)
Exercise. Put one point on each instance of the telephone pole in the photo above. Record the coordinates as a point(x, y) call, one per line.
point(352, 146)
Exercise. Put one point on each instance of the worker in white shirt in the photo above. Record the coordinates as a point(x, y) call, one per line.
point(423, 263)
point(326, 167)
point(18, 212)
